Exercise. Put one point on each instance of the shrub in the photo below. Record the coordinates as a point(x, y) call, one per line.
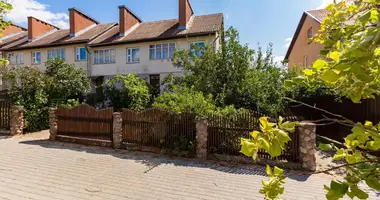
point(37, 91)
point(134, 93)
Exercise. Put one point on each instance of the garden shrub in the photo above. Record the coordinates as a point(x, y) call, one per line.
point(37, 91)
point(134, 93)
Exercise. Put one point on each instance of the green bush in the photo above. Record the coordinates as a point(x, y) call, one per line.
point(133, 95)
point(37, 91)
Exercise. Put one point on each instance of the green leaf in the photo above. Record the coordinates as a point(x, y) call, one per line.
point(325, 147)
point(298, 79)
point(355, 97)
point(358, 193)
point(247, 147)
point(268, 170)
point(365, 16)
point(339, 155)
point(373, 183)
point(338, 187)
point(275, 149)
point(278, 171)
point(254, 134)
point(289, 83)
point(308, 72)
point(376, 52)
point(335, 56)
point(319, 64)
point(330, 76)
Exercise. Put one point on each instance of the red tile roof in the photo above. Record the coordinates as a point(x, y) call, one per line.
point(14, 38)
point(199, 25)
point(60, 37)
point(319, 15)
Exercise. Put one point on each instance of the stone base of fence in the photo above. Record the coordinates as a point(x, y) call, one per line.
point(307, 145)
point(53, 123)
point(17, 120)
point(201, 139)
point(84, 141)
point(117, 133)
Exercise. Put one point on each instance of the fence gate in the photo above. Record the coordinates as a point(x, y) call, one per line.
point(159, 128)
point(85, 122)
point(5, 115)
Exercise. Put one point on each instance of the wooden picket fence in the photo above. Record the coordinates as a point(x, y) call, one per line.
point(5, 115)
point(159, 128)
point(225, 132)
point(85, 122)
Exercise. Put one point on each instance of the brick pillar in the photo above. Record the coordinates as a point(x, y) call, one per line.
point(17, 120)
point(307, 145)
point(201, 139)
point(117, 130)
point(53, 123)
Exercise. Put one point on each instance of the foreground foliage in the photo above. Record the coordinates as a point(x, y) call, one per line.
point(5, 7)
point(351, 35)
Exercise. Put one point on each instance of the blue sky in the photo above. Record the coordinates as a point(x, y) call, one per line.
point(258, 21)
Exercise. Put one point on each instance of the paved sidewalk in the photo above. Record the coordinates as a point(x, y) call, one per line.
point(38, 169)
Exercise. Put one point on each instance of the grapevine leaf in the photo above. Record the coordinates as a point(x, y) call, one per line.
point(325, 147)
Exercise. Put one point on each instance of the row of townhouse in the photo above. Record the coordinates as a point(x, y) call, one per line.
point(105, 50)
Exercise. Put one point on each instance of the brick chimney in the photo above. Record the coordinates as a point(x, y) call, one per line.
point(12, 30)
point(128, 20)
point(38, 28)
point(185, 13)
point(79, 22)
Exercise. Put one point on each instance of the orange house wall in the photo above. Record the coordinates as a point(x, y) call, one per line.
point(303, 48)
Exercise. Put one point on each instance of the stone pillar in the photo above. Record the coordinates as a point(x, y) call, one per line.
point(307, 145)
point(17, 120)
point(53, 123)
point(117, 130)
point(201, 139)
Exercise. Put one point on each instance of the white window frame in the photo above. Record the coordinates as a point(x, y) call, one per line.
point(61, 51)
point(16, 58)
point(77, 53)
point(304, 61)
point(34, 58)
point(310, 33)
point(130, 57)
point(153, 51)
point(100, 56)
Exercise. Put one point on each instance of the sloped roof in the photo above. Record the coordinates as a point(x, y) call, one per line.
point(165, 29)
point(14, 38)
point(59, 37)
point(319, 14)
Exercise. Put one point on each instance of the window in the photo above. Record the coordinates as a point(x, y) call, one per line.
point(56, 53)
point(104, 56)
point(161, 51)
point(36, 57)
point(16, 58)
point(198, 48)
point(305, 61)
point(133, 55)
point(310, 34)
point(80, 53)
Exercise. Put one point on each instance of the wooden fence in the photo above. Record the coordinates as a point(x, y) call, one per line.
point(5, 114)
point(159, 128)
point(224, 135)
point(86, 122)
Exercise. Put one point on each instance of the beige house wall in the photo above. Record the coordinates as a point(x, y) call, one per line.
point(303, 48)
point(69, 51)
point(145, 66)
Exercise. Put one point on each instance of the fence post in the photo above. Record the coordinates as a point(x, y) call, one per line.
point(53, 123)
point(307, 145)
point(201, 138)
point(17, 120)
point(117, 130)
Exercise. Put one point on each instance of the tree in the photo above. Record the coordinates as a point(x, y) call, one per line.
point(351, 36)
point(4, 9)
point(134, 93)
point(37, 91)
point(63, 80)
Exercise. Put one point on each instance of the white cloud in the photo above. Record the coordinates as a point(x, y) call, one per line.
point(325, 3)
point(287, 42)
point(24, 8)
point(278, 59)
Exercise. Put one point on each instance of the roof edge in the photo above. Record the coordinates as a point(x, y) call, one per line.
point(85, 15)
point(129, 10)
point(152, 39)
point(24, 29)
point(45, 22)
point(295, 36)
